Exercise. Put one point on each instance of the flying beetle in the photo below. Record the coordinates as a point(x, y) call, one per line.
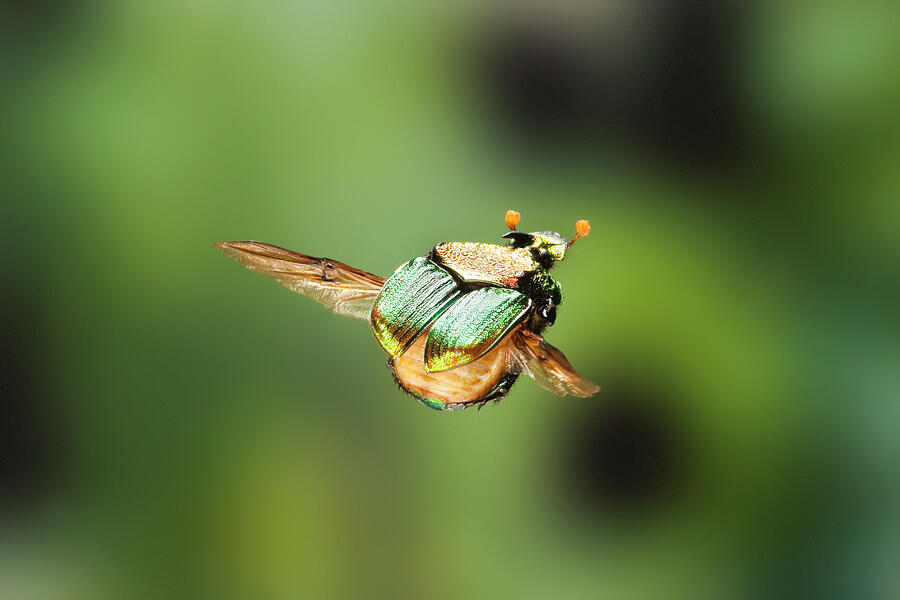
point(459, 324)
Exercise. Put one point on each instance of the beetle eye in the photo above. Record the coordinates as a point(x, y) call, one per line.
point(542, 256)
point(549, 314)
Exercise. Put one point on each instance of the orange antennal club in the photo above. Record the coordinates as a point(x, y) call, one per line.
point(582, 229)
point(512, 219)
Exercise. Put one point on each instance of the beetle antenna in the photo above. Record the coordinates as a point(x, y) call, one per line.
point(582, 229)
point(512, 219)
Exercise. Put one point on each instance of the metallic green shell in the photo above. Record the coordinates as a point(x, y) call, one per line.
point(410, 300)
point(540, 283)
point(472, 326)
point(435, 404)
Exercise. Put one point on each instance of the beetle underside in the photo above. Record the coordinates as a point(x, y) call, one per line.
point(488, 378)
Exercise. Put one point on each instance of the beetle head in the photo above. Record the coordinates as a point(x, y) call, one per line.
point(546, 246)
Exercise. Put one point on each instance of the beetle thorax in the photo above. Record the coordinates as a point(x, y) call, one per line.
point(477, 262)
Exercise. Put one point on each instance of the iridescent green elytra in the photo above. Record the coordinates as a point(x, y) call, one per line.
point(472, 326)
point(459, 324)
point(410, 300)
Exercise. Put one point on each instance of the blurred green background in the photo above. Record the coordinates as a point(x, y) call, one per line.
point(174, 426)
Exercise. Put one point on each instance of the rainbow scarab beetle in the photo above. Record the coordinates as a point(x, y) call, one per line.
point(459, 324)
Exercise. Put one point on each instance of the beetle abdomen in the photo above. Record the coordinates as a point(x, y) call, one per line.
point(490, 376)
